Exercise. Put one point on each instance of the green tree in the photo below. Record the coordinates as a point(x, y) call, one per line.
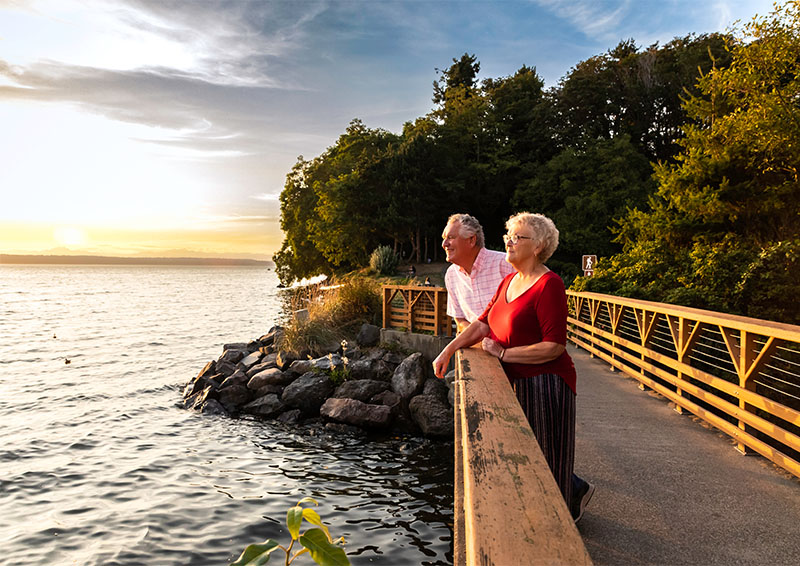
point(723, 232)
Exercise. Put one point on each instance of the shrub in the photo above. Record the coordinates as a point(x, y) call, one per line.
point(384, 260)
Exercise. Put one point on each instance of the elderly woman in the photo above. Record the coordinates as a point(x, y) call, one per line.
point(525, 327)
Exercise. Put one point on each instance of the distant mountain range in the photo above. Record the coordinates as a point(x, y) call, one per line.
point(108, 260)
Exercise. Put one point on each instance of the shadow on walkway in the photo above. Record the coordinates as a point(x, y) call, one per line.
point(671, 490)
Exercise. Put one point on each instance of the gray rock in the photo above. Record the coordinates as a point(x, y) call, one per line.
point(435, 387)
point(394, 358)
point(225, 368)
point(267, 362)
point(432, 415)
point(196, 400)
point(368, 335)
point(250, 360)
point(209, 369)
point(285, 358)
point(308, 392)
point(267, 389)
point(352, 412)
point(272, 376)
point(233, 356)
point(366, 368)
point(235, 396)
point(267, 406)
point(238, 378)
point(388, 398)
point(325, 363)
point(197, 384)
point(235, 346)
point(213, 407)
point(409, 377)
point(290, 417)
point(362, 389)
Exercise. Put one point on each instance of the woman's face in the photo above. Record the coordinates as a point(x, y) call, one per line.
point(525, 246)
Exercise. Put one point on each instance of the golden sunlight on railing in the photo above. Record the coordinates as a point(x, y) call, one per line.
point(416, 308)
point(742, 375)
point(509, 510)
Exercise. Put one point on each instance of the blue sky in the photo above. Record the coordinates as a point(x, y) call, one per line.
point(167, 128)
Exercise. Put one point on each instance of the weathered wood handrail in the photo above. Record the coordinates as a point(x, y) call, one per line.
point(742, 375)
point(509, 510)
point(416, 308)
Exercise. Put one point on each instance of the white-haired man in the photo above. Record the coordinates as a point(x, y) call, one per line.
point(476, 272)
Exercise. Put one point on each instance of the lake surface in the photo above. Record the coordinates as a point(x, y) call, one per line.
point(98, 466)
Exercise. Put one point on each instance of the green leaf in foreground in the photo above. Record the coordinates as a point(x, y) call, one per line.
point(294, 518)
point(323, 552)
point(256, 554)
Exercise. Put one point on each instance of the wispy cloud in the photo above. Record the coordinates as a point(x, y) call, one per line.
point(600, 20)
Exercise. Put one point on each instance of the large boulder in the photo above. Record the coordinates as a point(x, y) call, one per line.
point(233, 356)
point(213, 407)
point(268, 361)
point(267, 406)
point(209, 369)
point(238, 378)
point(408, 379)
point(368, 335)
point(362, 389)
point(308, 392)
point(234, 397)
point(435, 387)
point(250, 360)
point(324, 363)
point(432, 415)
point(272, 376)
point(197, 399)
point(367, 368)
point(353, 412)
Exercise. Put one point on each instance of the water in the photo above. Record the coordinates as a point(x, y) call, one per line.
point(98, 466)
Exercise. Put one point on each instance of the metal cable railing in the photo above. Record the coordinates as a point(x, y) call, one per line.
point(740, 374)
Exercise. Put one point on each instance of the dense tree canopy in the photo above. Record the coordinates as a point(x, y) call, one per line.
point(676, 164)
point(723, 229)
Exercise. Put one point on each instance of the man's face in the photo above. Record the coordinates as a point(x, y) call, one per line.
point(458, 249)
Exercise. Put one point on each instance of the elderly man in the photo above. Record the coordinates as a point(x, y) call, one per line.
point(476, 272)
point(471, 283)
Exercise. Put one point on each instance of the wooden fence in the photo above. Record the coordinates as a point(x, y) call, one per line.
point(415, 308)
point(742, 375)
point(508, 508)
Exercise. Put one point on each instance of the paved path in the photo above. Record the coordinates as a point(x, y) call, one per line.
point(671, 490)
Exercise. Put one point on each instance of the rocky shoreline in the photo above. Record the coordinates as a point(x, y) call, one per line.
point(362, 388)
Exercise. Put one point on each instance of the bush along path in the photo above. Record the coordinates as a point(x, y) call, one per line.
point(363, 387)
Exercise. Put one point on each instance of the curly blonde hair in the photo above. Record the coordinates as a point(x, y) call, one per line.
point(545, 233)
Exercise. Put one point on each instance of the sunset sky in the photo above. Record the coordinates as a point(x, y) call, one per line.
point(163, 128)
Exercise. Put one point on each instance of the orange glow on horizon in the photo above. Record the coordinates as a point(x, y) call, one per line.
point(46, 239)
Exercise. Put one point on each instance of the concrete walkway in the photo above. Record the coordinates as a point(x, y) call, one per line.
point(671, 490)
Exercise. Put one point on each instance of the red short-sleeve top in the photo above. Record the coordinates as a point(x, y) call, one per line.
point(537, 315)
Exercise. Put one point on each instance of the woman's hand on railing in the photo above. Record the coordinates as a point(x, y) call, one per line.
point(492, 348)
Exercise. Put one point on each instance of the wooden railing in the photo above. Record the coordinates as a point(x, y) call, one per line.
point(415, 308)
point(508, 508)
point(742, 375)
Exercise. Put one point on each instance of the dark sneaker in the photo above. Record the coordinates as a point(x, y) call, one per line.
point(581, 500)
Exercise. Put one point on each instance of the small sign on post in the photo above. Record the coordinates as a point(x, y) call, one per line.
point(587, 264)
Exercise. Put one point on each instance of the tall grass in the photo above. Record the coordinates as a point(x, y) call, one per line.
point(336, 311)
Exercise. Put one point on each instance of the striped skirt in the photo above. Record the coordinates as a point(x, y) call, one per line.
point(549, 405)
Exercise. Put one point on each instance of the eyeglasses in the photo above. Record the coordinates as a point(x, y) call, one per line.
point(514, 240)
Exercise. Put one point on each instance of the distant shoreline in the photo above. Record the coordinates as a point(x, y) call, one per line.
point(109, 260)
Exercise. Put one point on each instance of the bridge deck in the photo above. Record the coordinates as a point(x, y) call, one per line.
point(671, 490)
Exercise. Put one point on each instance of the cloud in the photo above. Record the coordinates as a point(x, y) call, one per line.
point(599, 20)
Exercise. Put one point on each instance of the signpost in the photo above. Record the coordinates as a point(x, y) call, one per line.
point(587, 264)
